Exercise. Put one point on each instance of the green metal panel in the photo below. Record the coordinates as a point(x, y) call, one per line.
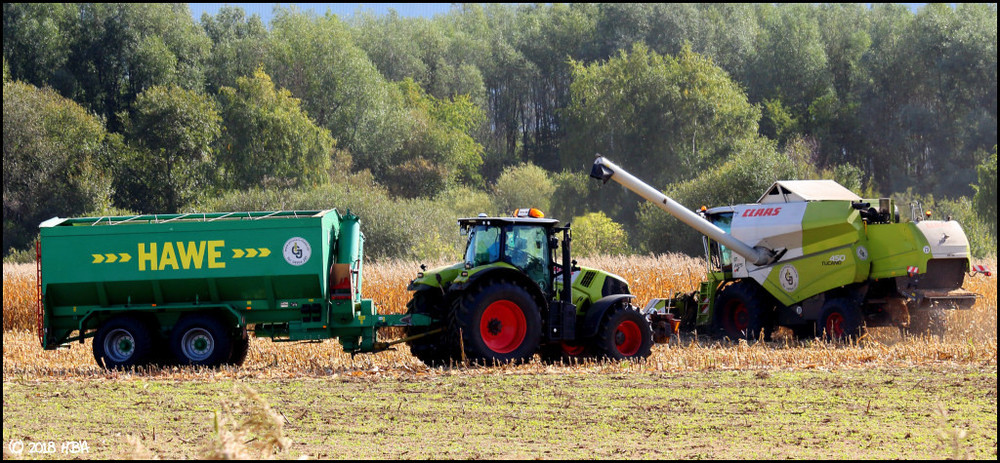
point(211, 258)
point(894, 247)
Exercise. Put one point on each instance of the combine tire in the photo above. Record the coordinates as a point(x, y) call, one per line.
point(742, 312)
point(435, 349)
point(123, 342)
point(499, 323)
point(201, 340)
point(841, 320)
point(624, 334)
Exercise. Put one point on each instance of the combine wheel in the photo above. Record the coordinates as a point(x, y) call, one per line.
point(122, 342)
point(499, 322)
point(742, 312)
point(841, 320)
point(435, 349)
point(624, 334)
point(201, 340)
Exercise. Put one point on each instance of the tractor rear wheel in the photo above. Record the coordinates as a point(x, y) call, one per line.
point(624, 334)
point(434, 349)
point(499, 322)
point(743, 312)
point(841, 320)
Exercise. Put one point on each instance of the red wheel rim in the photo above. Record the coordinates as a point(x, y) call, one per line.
point(503, 326)
point(835, 325)
point(571, 350)
point(628, 338)
point(737, 317)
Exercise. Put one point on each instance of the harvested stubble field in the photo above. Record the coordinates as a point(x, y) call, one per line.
point(888, 395)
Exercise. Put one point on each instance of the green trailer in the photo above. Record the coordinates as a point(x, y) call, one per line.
point(191, 288)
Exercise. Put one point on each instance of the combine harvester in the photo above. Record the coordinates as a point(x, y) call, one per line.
point(812, 256)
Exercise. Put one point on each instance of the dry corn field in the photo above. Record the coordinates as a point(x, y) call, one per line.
point(971, 338)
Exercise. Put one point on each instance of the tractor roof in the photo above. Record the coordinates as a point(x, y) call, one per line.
point(507, 221)
point(793, 191)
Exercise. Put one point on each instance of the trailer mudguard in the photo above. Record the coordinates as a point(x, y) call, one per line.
point(596, 312)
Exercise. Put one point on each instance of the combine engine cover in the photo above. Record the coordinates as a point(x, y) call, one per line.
point(821, 234)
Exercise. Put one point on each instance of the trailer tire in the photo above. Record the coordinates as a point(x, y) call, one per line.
point(742, 312)
point(841, 320)
point(432, 350)
point(201, 340)
point(499, 323)
point(624, 334)
point(122, 342)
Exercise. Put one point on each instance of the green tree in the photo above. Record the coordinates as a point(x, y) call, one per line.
point(238, 46)
point(268, 138)
point(985, 198)
point(341, 90)
point(440, 150)
point(523, 185)
point(104, 54)
point(595, 234)
point(55, 161)
point(171, 131)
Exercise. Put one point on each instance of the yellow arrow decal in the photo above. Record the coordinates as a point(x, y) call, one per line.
point(251, 252)
point(125, 257)
point(237, 253)
point(98, 258)
point(111, 258)
point(264, 252)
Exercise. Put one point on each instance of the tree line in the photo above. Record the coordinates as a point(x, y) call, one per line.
point(140, 108)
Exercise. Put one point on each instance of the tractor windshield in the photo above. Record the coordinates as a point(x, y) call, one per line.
point(483, 246)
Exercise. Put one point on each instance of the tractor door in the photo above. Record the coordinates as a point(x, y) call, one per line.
point(527, 248)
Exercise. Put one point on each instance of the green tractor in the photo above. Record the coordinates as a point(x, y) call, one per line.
point(507, 301)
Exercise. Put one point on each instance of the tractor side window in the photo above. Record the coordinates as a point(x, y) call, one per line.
point(484, 246)
point(527, 248)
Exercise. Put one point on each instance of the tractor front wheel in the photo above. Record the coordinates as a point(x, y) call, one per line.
point(499, 322)
point(625, 334)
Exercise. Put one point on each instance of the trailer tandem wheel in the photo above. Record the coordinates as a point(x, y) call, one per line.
point(122, 342)
point(200, 339)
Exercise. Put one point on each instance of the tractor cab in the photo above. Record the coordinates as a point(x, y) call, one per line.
point(524, 241)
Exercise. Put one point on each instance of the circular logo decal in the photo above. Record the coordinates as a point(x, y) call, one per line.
point(927, 249)
point(297, 251)
point(789, 278)
point(862, 253)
